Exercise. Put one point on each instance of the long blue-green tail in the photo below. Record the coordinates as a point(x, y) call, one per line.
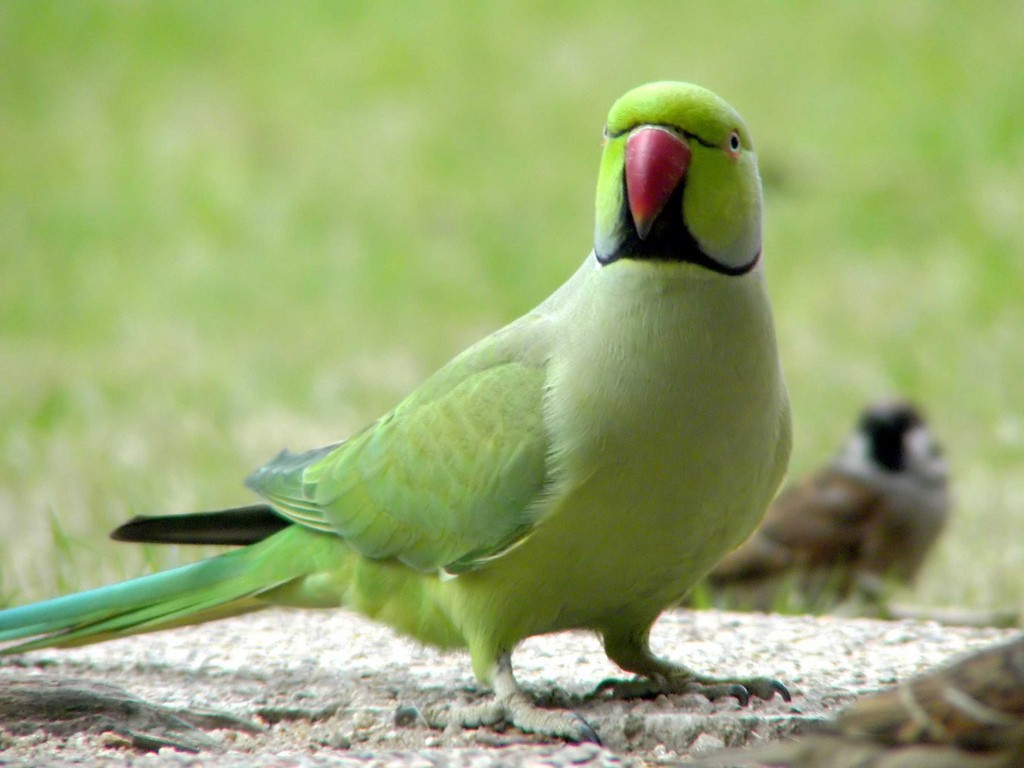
point(225, 585)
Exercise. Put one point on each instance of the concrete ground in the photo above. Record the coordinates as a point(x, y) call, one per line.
point(303, 688)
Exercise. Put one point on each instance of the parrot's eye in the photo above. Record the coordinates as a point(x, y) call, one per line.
point(733, 143)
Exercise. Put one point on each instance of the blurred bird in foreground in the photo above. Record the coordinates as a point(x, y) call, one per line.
point(966, 715)
point(872, 515)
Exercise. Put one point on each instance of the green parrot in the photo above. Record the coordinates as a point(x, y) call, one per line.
point(582, 467)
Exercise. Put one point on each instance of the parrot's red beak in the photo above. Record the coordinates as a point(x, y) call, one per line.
point(656, 161)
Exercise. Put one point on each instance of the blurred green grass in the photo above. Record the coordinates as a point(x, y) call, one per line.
point(227, 228)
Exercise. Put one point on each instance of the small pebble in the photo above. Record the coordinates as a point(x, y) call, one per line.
point(408, 716)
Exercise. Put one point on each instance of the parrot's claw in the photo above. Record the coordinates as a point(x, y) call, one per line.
point(711, 688)
point(766, 688)
point(587, 733)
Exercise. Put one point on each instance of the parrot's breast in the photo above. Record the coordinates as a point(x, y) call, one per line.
point(669, 427)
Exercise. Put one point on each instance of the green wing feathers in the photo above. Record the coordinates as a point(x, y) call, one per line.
point(446, 479)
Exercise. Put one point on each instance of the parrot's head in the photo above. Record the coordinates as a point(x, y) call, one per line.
point(678, 181)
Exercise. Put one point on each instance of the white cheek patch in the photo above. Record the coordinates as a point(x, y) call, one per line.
point(923, 455)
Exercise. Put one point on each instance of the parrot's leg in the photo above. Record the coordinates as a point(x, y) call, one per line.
point(631, 651)
point(513, 706)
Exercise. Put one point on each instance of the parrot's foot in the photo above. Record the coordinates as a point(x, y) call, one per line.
point(631, 651)
point(682, 681)
point(512, 706)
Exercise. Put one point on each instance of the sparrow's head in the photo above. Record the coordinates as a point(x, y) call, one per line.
point(892, 436)
point(678, 181)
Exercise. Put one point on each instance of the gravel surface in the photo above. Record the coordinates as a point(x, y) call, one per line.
point(294, 688)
